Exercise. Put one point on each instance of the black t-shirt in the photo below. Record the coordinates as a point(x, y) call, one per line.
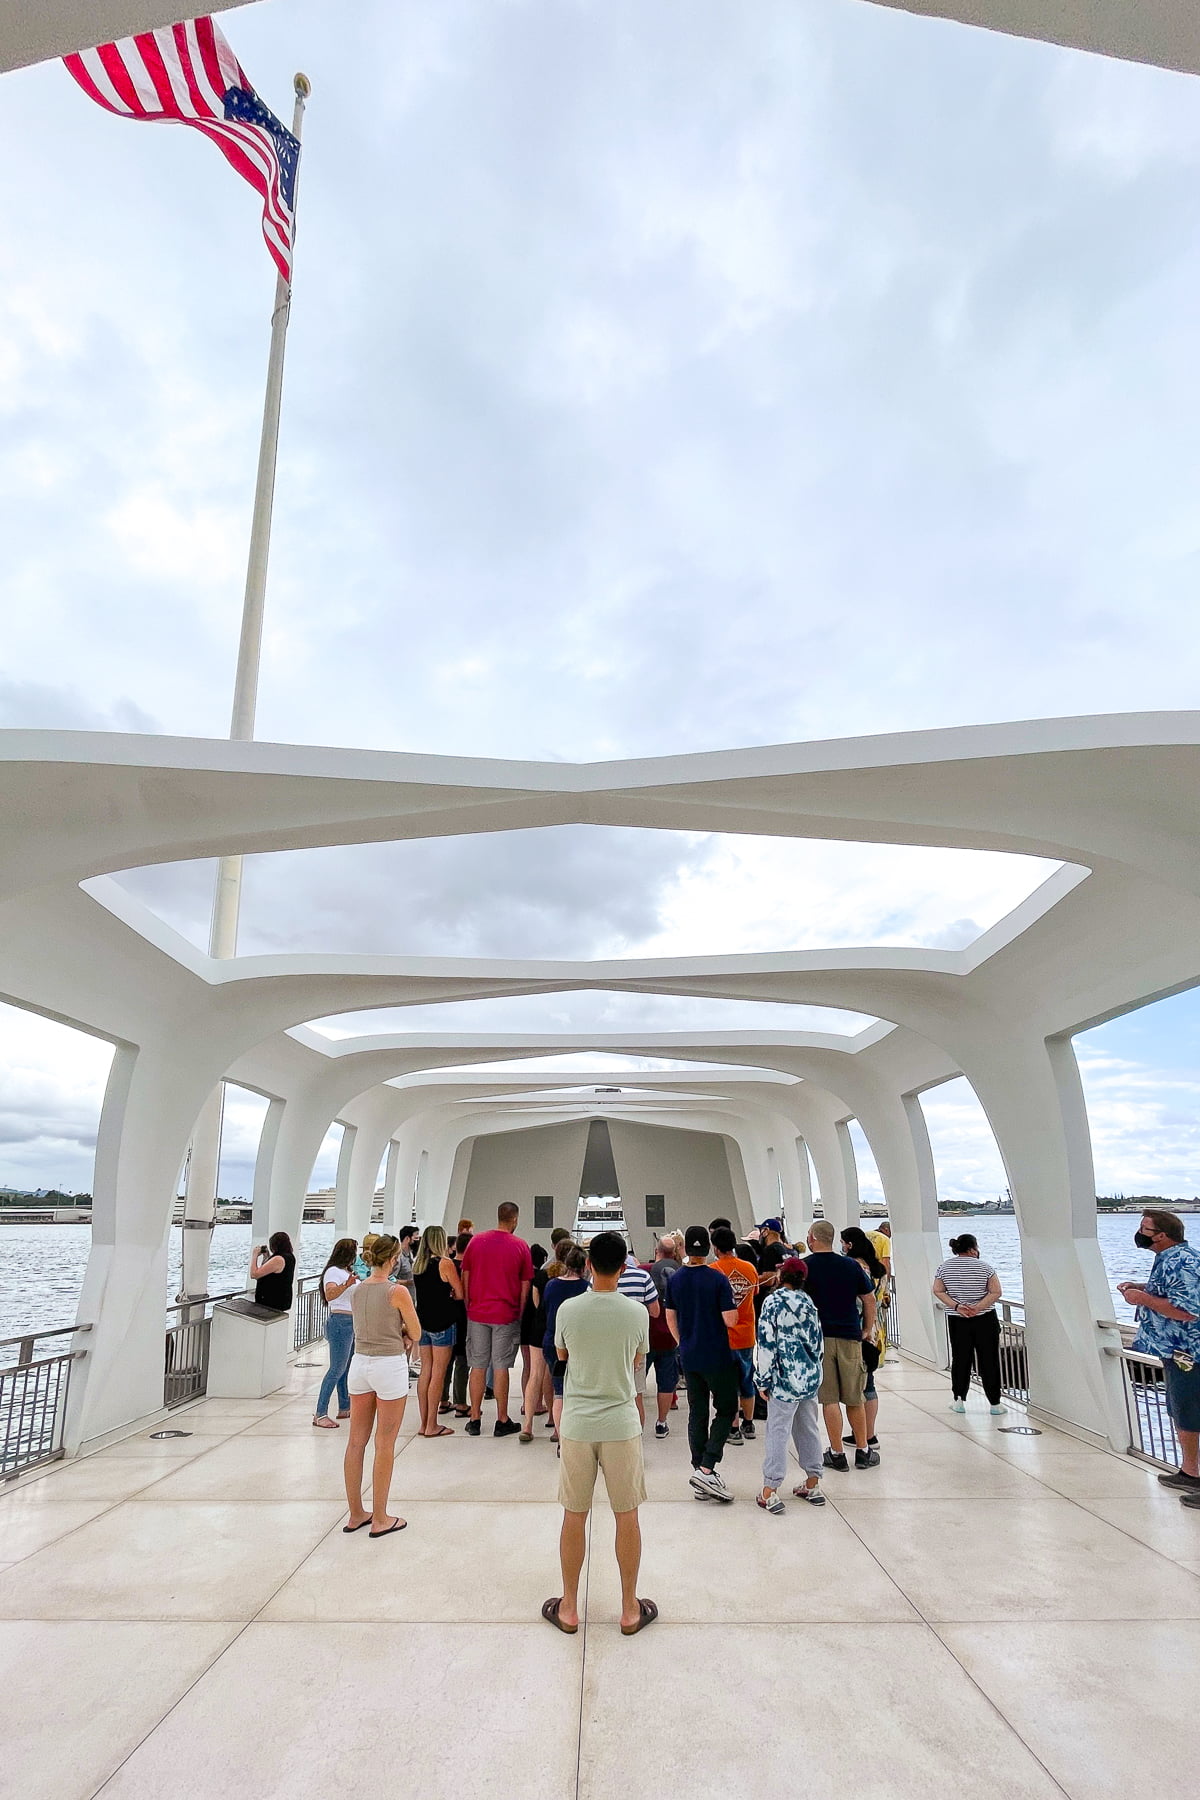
point(698, 1295)
point(835, 1284)
point(771, 1255)
point(533, 1319)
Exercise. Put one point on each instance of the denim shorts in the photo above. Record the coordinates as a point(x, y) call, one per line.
point(1183, 1395)
point(441, 1340)
point(665, 1364)
point(747, 1386)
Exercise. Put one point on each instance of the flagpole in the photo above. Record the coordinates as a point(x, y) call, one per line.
point(205, 1154)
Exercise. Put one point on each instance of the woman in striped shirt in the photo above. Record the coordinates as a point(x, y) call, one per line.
point(968, 1289)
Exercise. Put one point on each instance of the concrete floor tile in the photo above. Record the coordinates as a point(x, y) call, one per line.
point(785, 1688)
point(1039, 1558)
point(476, 1564)
point(808, 1564)
point(187, 1561)
point(79, 1697)
point(164, 1450)
point(275, 1468)
point(925, 1466)
point(1104, 1706)
point(27, 1529)
point(91, 1478)
point(1155, 1519)
point(481, 1469)
point(1094, 1475)
point(314, 1684)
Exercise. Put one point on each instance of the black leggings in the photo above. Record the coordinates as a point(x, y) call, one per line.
point(975, 1341)
point(707, 1442)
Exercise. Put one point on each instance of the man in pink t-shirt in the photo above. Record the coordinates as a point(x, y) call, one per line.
point(497, 1271)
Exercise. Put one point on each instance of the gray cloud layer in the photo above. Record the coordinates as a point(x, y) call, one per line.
point(659, 378)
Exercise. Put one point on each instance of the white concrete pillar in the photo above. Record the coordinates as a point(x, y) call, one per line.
point(825, 1147)
point(200, 1190)
point(341, 1189)
point(391, 1189)
point(298, 1141)
point(150, 1105)
point(895, 1130)
point(264, 1167)
point(804, 1189)
point(366, 1150)
point(1031, 1093)
point(849, 1173)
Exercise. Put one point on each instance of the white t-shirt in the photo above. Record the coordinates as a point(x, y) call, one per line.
point(334, 1278)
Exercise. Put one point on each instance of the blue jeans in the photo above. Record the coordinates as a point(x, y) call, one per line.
point(339, 1335)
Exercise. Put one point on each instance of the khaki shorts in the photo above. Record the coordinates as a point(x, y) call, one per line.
point(843, 1376)
point(624, 1474)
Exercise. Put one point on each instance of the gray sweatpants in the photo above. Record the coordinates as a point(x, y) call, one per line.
point(797, 1419)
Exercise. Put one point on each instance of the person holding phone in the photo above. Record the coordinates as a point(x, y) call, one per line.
point(273, 1272)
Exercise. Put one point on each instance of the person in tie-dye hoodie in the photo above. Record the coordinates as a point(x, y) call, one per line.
point(790, 1348)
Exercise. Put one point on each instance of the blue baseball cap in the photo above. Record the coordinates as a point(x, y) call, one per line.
point(772, 1225)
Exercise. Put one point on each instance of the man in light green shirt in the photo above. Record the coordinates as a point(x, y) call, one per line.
point(598, 1335)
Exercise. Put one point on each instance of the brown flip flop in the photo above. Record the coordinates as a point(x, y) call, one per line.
point(649, 1613)
point(550, 1614)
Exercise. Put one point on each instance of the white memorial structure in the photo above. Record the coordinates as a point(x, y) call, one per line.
point(1112, 801)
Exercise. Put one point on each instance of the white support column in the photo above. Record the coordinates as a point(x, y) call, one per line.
point(301, 1134)
point(200, 1196)
point(849, 1173)
point(367, 1146)
point(391, 1189)
point(150, 1105)
point(341, 1192)
point(825, 1147)
point(1031, 1093)
point(895, 1130)
point(804, 1189)
point(264, 1165)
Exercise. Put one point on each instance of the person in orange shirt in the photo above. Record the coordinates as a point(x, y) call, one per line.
point(743, 1279)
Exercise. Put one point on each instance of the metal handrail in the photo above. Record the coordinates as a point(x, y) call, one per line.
point(53, 1331)
point(1152, 1436)
point(33, 1402)
point(205, 1300)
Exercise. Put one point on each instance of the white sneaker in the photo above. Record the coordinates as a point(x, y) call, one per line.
point(996, 1409)
point(706, 1482)
point(958, 1406)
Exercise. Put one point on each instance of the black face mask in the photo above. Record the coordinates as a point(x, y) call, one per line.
point(1142, 1241)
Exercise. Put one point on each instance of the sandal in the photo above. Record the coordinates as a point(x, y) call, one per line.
point(399, 1525)
point(550, 1614)
point(324, 1423)
point(445, 1407)
point(442, 1431)
point(525, 1437)
point(648, 1611)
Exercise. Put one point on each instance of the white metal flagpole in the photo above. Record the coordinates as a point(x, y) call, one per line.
point(205, 1156)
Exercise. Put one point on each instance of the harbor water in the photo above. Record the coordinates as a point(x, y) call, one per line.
point(41, 1266)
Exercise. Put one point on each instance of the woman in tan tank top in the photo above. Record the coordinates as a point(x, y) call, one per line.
point(385, 1323)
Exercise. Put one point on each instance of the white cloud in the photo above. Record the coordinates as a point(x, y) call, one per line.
point(658, 378)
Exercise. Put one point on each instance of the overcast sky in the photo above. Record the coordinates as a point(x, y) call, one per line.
point(659, 378)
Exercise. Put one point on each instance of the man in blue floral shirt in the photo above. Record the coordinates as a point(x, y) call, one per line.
point(790, 1354)
point(1168, 1310)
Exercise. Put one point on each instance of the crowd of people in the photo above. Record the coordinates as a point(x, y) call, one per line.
point(748, 1329)
point(753, 1329)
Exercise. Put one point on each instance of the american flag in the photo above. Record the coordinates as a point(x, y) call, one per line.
point(188, 74)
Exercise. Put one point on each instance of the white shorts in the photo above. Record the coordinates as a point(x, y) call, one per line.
point(384, 1376)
